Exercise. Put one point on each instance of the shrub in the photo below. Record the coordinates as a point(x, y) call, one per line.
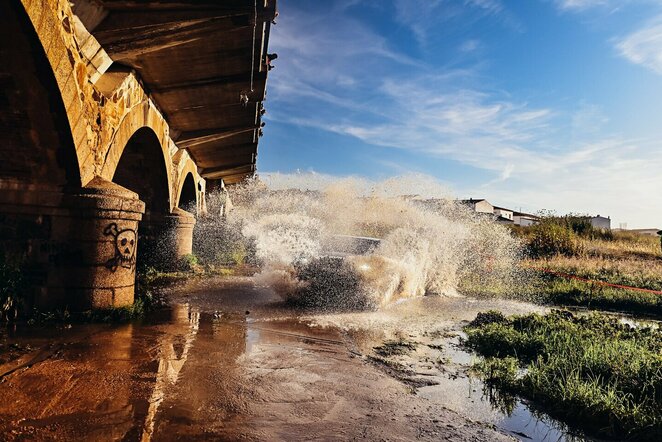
point(188, 262)
point(550, 238)
point(489, 317)
point(499, 372)
point(561, 235)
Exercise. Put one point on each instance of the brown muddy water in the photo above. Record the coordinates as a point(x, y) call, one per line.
point(227, 361)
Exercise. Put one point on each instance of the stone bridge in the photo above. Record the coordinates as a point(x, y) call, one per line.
point(116, 119)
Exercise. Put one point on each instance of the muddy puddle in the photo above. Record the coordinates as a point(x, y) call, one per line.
point(227, 361)
point(419, 342)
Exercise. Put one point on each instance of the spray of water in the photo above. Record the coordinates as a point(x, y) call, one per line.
point(301, 228)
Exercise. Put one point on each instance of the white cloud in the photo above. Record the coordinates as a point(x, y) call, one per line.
point(491, 6)
point(516, 146)
point(428, 115)
point(580, 5)
point(340, 76)
point(644, 46)
point(420, 15)
point(317, 53)
point(423, 17)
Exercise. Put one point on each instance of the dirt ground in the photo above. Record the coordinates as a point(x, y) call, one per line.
point(226, 362)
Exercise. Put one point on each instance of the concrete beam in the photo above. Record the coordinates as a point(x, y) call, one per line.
point(121, 44)
point(228, 172)
point(195, 138)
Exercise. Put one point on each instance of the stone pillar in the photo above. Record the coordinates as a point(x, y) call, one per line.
point(180, 224)
point(166, 238)
point(77, 249)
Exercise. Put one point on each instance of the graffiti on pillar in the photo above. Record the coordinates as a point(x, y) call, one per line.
point(125, 247)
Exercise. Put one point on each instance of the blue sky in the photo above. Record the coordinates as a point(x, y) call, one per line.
point(532, 104)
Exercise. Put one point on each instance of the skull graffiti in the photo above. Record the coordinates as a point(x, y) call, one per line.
point(125, 247)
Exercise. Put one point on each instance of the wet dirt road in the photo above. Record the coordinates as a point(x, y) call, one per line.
point(225, 362)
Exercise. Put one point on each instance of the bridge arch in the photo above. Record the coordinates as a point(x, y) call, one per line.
point(143, 169)
point(53, 24)
point(141, 119)
point(188, 194)
point(36, 143)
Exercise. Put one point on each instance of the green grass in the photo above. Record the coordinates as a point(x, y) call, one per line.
point(568, 292)
point(145, 301)
point(592, 372)
point(560, 290)
point(569, 244)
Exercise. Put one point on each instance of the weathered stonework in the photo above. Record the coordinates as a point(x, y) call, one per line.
point(104, 108)
point(80, 243)
point(79, 248)
point(109, 138)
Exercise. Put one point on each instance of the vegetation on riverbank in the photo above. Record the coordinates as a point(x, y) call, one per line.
point(590, 371)
point(573, 235)
point(560, 248)
point(562, 290)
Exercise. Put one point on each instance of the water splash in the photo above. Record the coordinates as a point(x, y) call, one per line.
point(429, 242)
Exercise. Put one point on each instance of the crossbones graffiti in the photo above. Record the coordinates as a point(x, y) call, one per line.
point(125, 247)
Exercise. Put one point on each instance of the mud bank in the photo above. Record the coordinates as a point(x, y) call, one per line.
point(225, 362)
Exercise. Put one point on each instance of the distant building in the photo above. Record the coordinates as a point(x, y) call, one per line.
point(525, 219)
point(600, 222)
point(501, 212)
point(479, 205)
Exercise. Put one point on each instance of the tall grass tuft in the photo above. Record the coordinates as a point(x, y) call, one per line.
point(590, 371)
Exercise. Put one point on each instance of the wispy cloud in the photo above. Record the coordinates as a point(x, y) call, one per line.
point(490, 6)
point(320, 54)
point(644, 46)
point(580, 5)
point(419, 15)
point(588, 119)
point(427, 114)
point(423, 17)
point(338, 75)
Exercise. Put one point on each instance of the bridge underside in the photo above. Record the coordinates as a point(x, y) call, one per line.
point(203, 63)
point(116, 116)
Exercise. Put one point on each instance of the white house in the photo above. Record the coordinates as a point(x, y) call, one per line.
point(479, 205)
point(506, 214)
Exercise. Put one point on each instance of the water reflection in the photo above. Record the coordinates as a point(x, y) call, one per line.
point(173, 352)
point(196, 372)
point(205, 388)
